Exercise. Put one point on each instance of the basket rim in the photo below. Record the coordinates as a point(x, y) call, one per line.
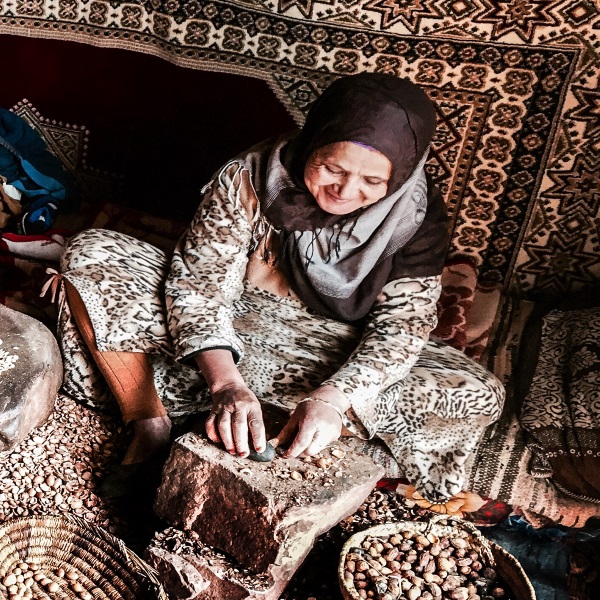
point(399, 526)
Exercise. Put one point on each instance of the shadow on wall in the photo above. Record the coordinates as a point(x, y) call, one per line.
point(163, 128)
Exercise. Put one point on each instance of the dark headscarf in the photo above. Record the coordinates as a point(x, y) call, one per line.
point(390, 114)
point(338, 264)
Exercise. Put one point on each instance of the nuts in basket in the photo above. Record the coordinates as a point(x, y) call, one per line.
point(66, 557)
point(419, 566)
point(28, 581)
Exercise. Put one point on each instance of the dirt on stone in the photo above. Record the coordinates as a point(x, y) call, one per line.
point(301, 480)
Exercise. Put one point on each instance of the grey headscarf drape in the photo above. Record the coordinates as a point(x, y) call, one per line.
point(338, 264)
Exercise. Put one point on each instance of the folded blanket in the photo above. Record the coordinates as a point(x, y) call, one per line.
point(558, 386)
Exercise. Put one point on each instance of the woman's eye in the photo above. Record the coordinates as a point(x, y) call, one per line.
point(374, 181)
point(333, 171)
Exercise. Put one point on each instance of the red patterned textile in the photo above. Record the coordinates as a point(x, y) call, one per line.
point(459, 281)
point(466, 308)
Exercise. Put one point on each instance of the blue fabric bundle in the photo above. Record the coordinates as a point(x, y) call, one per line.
point(27, 164)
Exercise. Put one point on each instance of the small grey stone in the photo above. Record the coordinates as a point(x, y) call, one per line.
point(266, 456)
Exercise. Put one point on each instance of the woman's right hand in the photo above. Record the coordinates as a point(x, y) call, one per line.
point(236, 412)
point(235, 409)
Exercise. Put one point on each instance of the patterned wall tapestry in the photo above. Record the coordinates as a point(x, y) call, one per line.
point(516, 84)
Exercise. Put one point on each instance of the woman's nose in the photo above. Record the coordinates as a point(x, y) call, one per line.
point(348, 188)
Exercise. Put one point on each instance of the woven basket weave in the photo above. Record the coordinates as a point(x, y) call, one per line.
point(106, 568)
point(506, 565)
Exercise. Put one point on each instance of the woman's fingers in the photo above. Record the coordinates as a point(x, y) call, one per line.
point(286, 435)
point(237, 414)
point(239, 427)
point(225, 432)
point(289, 432)
point(303, 439)
point(318, 443)
point(211, 428)
point(236, 411)
point(315, 425)
point(257, 429)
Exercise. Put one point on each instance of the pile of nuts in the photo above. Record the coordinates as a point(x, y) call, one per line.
point(317, 577)
point(420, 567)
point(189, 543)
point(383, 506)
point(321, 468)
point(27, 580)
point(56, 469)
point(322, 465)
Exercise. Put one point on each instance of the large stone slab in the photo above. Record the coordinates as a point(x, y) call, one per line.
point(30, 375)
point(267, 516)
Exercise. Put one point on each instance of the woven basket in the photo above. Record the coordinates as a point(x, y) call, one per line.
point(493, 555)
point(105, 567)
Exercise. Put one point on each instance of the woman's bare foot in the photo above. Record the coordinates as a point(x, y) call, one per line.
point(150, 436)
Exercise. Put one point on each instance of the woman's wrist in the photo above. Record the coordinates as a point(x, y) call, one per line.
point(320, 400)
point(219, 370)
point(332, 396)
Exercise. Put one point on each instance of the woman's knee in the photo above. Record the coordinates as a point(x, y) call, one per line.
point(85, 247)
point(482, 391)
point(457, 392)
point(103, 246)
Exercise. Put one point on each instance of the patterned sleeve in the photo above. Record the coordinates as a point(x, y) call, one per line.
point(208, 268)
point(397, 329)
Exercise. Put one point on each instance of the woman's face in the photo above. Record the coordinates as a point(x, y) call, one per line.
point(345, 176)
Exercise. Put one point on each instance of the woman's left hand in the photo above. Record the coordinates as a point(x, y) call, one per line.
point(312, 427)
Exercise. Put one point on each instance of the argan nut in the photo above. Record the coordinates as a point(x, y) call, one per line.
point(459, 593)
point(413, 593)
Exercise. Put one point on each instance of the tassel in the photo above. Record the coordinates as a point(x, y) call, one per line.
point(310, 249)
point(52, 284)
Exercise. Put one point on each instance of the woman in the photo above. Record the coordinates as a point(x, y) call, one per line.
point(308, 279)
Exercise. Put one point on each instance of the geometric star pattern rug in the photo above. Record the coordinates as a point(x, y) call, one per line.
point(516, 85)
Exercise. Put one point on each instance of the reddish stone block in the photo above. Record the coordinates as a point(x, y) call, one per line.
point(265, 515)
